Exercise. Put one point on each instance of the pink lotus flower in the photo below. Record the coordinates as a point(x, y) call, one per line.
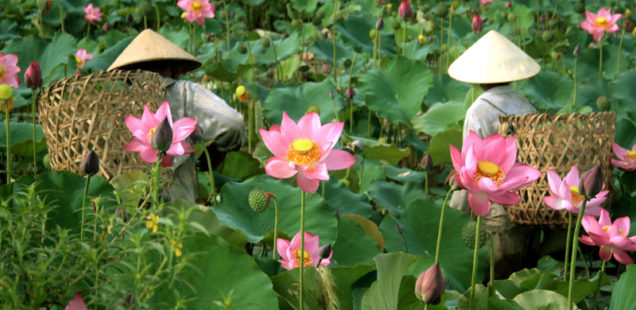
point(9, 70)
point(487, 169)
point(485, 1)
point(92, 14)
point(76, 304)
point(305, 149)
point(626, 158)
point(600, 23)
point(564, 194)
point(142, 130)
point(197, 10)
point(611, 238)
point(81, 57)
point(478, 24)
point(290, 252)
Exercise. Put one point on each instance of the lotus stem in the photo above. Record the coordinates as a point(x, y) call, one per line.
point(274, 246)
point(35, 165)
point(212, 195)
point(600, 59)
point(598, 286)
point(154, 185)
point(333, 37)
point(576, 58)
point(227, 30)
point(302, 249)
point(491, 249)
point(618, 62)
point(575, 243)
point(441, 225)
point(567, 246)
point(473, 277)
point(88, 181)
point(7, 128)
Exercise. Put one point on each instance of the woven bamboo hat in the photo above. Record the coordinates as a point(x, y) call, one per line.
point(149, 47)
point(493, 59)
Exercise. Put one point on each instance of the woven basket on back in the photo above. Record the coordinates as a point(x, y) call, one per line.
point(89, 110)
point(557, 142)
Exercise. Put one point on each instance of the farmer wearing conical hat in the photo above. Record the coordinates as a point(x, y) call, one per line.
point(494, 62)
point(218, 121)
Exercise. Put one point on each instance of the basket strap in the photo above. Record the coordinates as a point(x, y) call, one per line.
point(494, 106)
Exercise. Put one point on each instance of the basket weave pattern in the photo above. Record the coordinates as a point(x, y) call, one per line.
point(557, 142)
point(87, 112)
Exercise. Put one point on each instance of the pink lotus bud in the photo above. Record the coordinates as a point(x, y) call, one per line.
point(161, 139)
point(430, 285)
point(106, 26)
point(405, 11)
point(591, 182)
point(379, 24)
point(90, 163)
point(508, 4)
point(350, 92)
point(33, 76)
point(478, 24)
point(427, 162)
point(325, 251)
point(326, 68)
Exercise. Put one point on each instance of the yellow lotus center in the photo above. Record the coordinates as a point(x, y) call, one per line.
point(577, 198)
point(1, 70)
point(601, 22)
point(306, 258)
point(606, 227)
point(486, 169)
point(150, 133)
point(303, 152)
point(240, 90)
point(196, 7)
point(631, 154)
point(78, 61)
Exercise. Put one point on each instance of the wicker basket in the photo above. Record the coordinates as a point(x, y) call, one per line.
point(557, 142)
point(87, 112)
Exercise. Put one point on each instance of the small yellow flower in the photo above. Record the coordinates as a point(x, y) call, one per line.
point(152, 222)
point(389, 7)
point(628, 12)
point(420, 38)
point(183, 15)
point(177, 247)
point(242, 93)
point(634, 32)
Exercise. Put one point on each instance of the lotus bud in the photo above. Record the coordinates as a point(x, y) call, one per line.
point(33, 76)
point(106, 26)
point(427, 162)
point(331, 94)
point(405, 11)
point(6, 92)
point(430, 285)
point(379, 24)
point(591, 182)
point(90, 163)
point(399, 228)
point(350, 92)
point(577, 50)
point(508, 4)
point(325, 251)
point(326, 68)
point(478, 24)
point(347, 63)
point(162, 137)
point(258, 201)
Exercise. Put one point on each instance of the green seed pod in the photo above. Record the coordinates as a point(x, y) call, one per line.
point(468, 235)
point(442, 10)
point(511, 17)
point(145, 9)
point(579, 7)
point(547, 36)
point(258, 201)
point(602, 103)
point(6, 92)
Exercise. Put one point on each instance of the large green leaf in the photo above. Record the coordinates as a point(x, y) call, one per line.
point(20, 133)
point(220, 274)
point(440, 145)
point(396, 92)
point(56, 53)
point(440, 117)
point(389, 153)
point(541, 300)
point(108, 56)
point(447, 89)
point(354, 30)
point(340, 198)
point(395, 197)
point(323, 48)
point(236, 213)
point(420, 222)
point(28, 50)
point(624, 293)
point(297, 99)
point(304, 6)
point(548, 90)
point(383, 293)
point(353, 247)
point(240, 165)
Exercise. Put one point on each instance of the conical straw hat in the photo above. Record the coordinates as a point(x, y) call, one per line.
point(493, 59)
point(150, 46)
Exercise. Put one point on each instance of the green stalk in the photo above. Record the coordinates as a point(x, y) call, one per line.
point(379, 60)
point(575, 243)
point(491, 249)
point(618, 63)
point(302, 248)
point(275, 227)
point(88, 30)
point(567, 246)
point(450, 25)
point(88, 181)
point(441, 225)
point(600, 59)
point(35, 165)
point(473, 277)
point(154, 185)
point(406, 28)
point(576, 58)
point(598, 285)
point(227, 31)
point(158, 17)
point(333, 37)
point(211, 178)
point(61, 15)
point(250, 126)
point(8, 135)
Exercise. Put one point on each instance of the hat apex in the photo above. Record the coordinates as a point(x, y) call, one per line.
point(150, 46)
point(493, 59)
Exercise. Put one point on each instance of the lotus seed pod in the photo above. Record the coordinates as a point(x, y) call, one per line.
point(258, 201)
point(603, 103)
point(468, 235)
